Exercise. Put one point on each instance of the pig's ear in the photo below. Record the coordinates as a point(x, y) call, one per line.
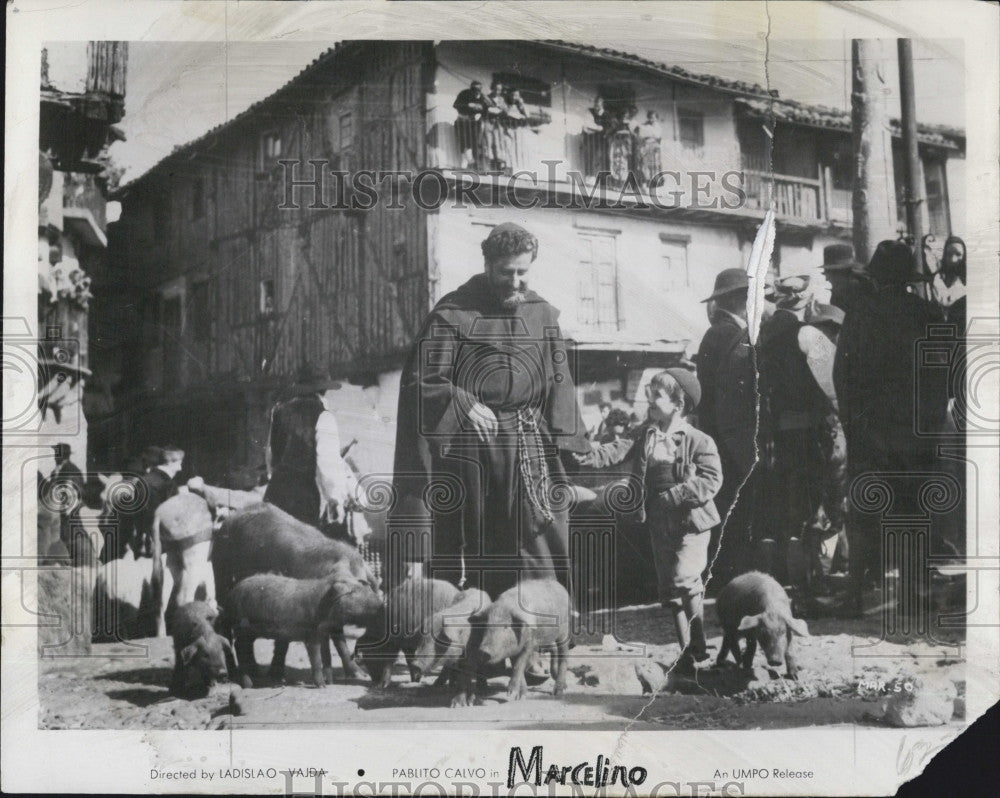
point(188, 652)
point(798, 627)
point(749, 622)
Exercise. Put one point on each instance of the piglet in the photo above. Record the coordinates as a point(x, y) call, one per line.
point(533, 616)
point(306, 610)
point(755, 606)
point(201, 656)
point(450, 629)
point(406, 621)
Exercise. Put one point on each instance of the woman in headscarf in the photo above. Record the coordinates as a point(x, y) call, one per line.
point(949, 285)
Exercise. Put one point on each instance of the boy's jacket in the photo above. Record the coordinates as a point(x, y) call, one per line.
point(697, 472)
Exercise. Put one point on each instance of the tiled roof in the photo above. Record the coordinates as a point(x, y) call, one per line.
point(760, 100)
point(754, 97)
point(820, 116)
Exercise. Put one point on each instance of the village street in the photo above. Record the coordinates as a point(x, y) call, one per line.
point(124, 688)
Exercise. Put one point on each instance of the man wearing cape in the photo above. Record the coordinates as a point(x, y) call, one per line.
point(486, 404)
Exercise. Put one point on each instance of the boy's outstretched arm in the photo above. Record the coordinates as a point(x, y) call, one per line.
point(607, 453)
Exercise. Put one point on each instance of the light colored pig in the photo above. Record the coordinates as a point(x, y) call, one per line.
point(533, 616)
point(755, 606)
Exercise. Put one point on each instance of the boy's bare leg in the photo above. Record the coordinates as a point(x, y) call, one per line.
point(693, 609)
point(683, 626)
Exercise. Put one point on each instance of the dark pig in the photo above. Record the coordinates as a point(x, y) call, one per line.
point(406, 621)
point(264, 539)
point(755, 606)
point(450, 629)
point(534, 616)
point(201, 656)
point(306, 610)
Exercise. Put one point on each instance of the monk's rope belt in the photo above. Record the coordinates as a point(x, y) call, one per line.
point(532, 465)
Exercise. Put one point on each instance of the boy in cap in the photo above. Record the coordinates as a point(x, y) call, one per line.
point(679, 469)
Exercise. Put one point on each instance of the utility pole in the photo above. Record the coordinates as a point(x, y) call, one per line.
point(874, 200)
point(914, 168)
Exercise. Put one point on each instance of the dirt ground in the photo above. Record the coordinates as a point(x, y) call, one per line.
point(846, 677)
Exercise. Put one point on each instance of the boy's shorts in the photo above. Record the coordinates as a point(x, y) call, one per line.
point(680, 560)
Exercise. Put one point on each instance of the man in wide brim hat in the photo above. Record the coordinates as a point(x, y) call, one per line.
point(308, 477)
point(847, 278)
point(893, 263)
point(887, 404)
point(729, 281)
point(727, 410)
point(840, 258)
point(312, 378)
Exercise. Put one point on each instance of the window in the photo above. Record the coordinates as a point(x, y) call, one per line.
point(674, 262)
point(266, 294)
point(201, 319)
point(691, 127)
point(270, 150)
point(346, 131)
point(842, 167)
point(533, 91)
point(937, 206)
point(597, 286)
point(198, 199)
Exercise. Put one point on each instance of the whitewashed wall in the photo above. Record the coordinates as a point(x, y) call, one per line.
point(649, 311)
point(957, 188)
point(575, 82)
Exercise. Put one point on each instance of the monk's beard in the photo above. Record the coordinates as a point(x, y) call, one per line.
point(511, 301)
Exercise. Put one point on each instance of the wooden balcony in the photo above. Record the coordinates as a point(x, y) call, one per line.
point(793, 197)
point(471, 144)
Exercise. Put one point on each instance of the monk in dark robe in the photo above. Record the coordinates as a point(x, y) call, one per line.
point(486, 403)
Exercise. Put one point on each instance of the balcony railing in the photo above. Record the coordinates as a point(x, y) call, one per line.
point(793, 197)
point(490, 147)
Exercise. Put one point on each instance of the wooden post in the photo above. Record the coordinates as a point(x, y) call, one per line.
point(914, 172)
point(821, 198)
point(874, 200)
